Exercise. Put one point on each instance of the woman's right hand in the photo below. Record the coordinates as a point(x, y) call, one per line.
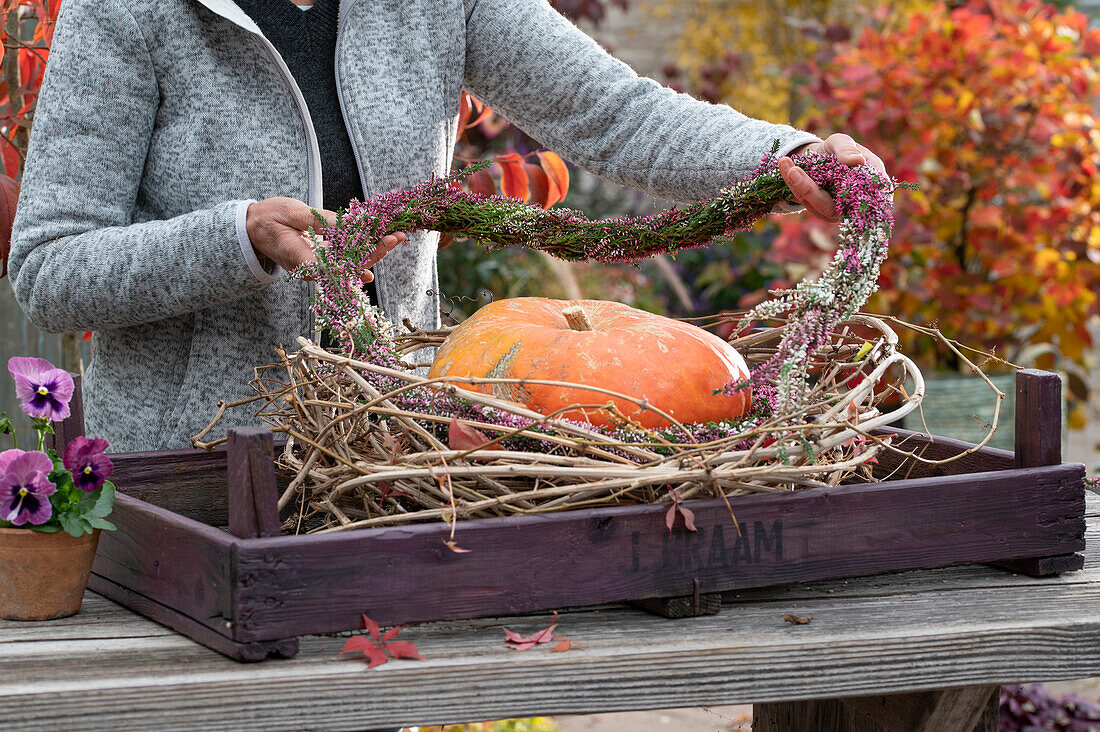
point(277, 229)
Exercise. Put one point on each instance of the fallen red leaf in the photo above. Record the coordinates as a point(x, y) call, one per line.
point(670, 516)
point(371, 626)
point(375, 656)
point(564, 644)
point(404, 649)
point(522, 643)
point(689, 518)
point(512, 636)
point(375, 650)
point(462, 436)
point(456, 548)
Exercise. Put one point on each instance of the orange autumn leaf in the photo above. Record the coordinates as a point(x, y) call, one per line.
point(556, 172)
point(513, 179)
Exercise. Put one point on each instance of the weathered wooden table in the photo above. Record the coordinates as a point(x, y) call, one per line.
point(916, 650)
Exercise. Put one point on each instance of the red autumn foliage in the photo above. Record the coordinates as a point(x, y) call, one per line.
point(677, 507)
point(23, 57)
point(517, 642)
point(540, 176)
point(513, 177)
point(463, 436)
point(989, 105)
point(376, 648)
point(9, 195)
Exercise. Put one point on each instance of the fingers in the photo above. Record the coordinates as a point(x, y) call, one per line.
point(845, 149)
point(806, 192)
point(876, 163)
point(301, 216)
point(388, 243)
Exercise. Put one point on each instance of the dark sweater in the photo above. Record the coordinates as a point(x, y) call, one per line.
point(306, 39)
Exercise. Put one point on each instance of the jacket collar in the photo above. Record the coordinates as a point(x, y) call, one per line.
point(229, 10)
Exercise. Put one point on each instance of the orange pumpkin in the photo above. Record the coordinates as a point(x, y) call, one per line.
point(675, 366)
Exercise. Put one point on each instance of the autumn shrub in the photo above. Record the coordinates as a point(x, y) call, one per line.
point(989, 107)
point(752, 55)
point(26, 30)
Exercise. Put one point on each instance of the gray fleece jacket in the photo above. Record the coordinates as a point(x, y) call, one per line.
point(158, 117)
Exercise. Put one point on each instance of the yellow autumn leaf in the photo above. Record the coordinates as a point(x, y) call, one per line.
point(1078, 417)
point(1047, 257)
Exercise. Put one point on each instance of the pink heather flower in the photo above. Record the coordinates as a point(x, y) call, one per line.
point(25, 489)
point(44, 389)
point(84, 458)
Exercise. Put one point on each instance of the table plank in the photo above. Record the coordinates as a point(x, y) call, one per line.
point(630, 660)
point(876, 635)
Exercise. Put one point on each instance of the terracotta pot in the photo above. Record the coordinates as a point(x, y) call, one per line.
point(43, 576)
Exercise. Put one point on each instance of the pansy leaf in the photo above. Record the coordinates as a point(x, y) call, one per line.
point(50, 528)
point(73, 524)
point(99, 523)
point(103, 503)
point(60, 477)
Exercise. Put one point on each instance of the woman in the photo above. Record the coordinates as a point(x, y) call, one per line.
point(176, 155)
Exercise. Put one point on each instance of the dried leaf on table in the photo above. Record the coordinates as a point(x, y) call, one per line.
point(796, 620)
point(521, 643)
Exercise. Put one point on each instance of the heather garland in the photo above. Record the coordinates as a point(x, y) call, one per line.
point(812, 309)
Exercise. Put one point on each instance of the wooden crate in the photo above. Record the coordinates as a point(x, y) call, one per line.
point(198, 547)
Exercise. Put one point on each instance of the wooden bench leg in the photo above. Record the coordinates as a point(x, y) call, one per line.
point(969, 709)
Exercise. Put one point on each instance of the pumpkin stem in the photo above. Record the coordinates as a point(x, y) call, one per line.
point(577, 318)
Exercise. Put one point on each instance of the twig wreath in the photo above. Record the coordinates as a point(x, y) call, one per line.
point(372, 443)
point(864, 202)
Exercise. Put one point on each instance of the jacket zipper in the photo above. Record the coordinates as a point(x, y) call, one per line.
point(345, 10)
point(314, 191)
point(313, 151)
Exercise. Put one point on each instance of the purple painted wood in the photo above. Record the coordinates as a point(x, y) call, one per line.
point(1039, 442)
point(891, 466)
point(1045, 566)
point(191, 483)
point(305, 584)
point(253, 496)
point(168, 617)
point(169, 559)
point(72, 426)
point(1038, 418)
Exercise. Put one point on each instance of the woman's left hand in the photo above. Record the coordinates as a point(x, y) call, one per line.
point(805, 191)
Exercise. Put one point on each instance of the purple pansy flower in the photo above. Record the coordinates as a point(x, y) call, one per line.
point(25, 489)
point(44, 389)
point(84, 458)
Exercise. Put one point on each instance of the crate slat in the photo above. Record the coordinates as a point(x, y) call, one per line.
point(320, 583)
